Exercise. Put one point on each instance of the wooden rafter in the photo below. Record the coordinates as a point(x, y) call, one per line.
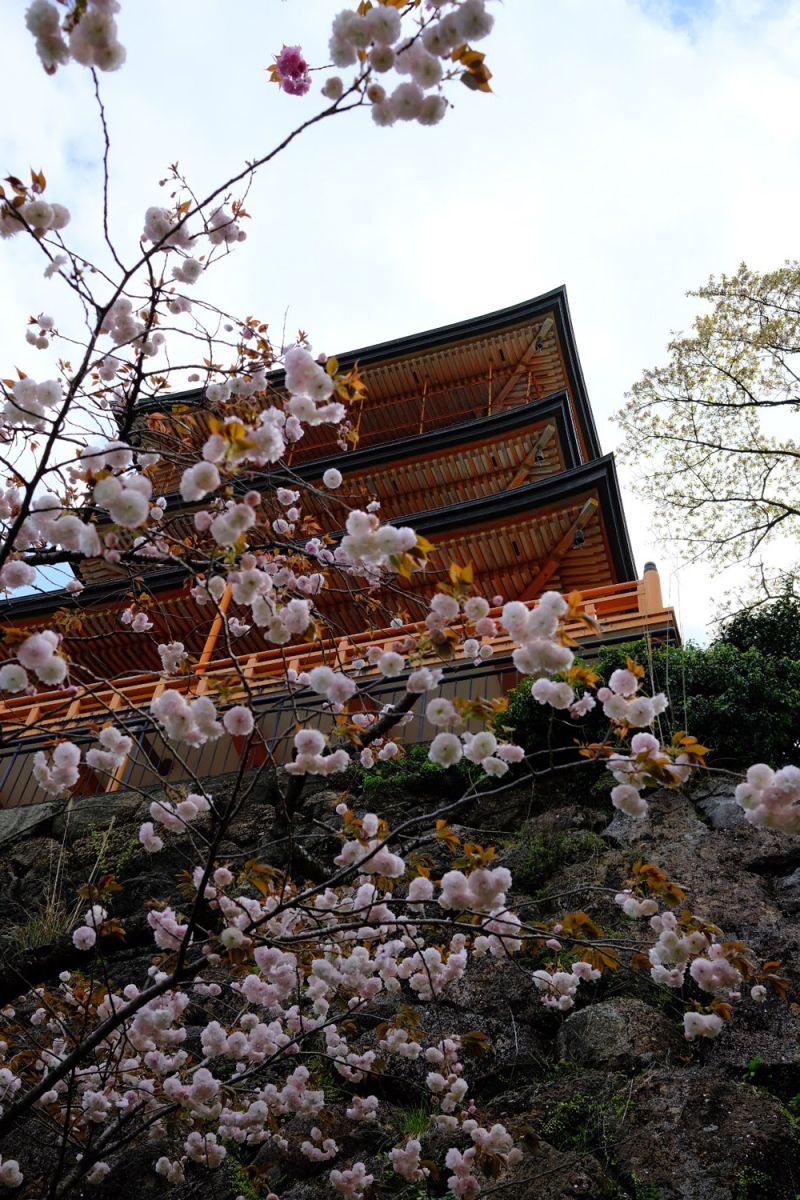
point(524, 469)
point(523, 364)
point(564, 543)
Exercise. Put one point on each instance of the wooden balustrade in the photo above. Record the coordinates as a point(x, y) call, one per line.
point(623, 610)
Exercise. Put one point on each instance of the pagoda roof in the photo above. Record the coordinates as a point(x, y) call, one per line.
point(567, 532)
point(429, 381)
point(554, 410)
point(512, 538)
point(445, 466)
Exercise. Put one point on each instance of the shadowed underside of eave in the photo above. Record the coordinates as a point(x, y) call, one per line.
point(419, 384)
point(566, 534)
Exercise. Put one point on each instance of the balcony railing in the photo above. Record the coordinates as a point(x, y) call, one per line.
point(29, 723)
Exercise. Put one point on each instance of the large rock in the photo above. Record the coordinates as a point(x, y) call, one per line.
point(86, 813)
point(707, 862)
point(621, 1034)
point(21, 822)
point(697, 1135)
point(763, 1040)
point(787, 892)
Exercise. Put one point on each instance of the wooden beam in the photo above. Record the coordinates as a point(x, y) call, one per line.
point(523, 364)
point(524, 469)
point(214, 631)
point(564, 543)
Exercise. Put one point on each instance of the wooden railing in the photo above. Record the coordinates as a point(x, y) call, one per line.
point(622, 610)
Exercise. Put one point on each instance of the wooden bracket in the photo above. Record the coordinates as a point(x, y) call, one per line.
point(529, 461)
point(562, 546)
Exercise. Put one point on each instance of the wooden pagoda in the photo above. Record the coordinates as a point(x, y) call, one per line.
point(479, 434)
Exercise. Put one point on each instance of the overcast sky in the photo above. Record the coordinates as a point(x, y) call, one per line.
point(630, 148)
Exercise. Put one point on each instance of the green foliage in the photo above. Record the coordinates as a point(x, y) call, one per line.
point(414, 772)
point(414, 1121)
point(546, 853)
point(773, 629)
point(791, 1110)
point(740, 696)
point(327, 1078)
point(578, 1123)
point(538, 727)
point(241, 1179)
point(42, 927)
point(751, 1071)
point(753, 1185)
point(572, 1123)
point(744, 704)
point(645, 1191)
point(111, 854)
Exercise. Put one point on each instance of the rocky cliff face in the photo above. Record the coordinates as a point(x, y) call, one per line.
point(611, 1101)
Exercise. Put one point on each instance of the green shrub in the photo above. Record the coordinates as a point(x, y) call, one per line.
point(414, 772)
point(546, 853)
point(774, 629)
point(743, 703)
point(538, 727)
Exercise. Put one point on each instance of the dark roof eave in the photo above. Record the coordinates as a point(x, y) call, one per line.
point(600, 474)
point(554, 301)
point(555, 408)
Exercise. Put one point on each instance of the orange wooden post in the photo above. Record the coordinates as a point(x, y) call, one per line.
point(115, 782)
point(651, 599)
point(213, 633)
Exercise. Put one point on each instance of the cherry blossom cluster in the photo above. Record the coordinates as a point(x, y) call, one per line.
point(127, 327)
point(535, 629)
point(482, 748)
point(771, 799)
point(377, 39)
point(40, 215)
point(635, 906)
point(88, 36)
point(58, 771)
point(191, 721)
point(16, 574)
point(10, 1174)
point(29, 402)
point(174, 816)
point(172, 655)
point(167, 230)
point(622, 704)
point(368, 543)
point(51, 522)
point(678, 951)
point(149, 1055)
point(39, 331)
point(113, 750)
point(647, 763)
point(306, 962)
point(38, 653)
point(85, 936)
point(137, 619)
point(558, 988)
point(262, 585)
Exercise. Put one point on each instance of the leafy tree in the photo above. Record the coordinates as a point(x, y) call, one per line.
point(743, 702)
point(773, 629)
point(713, 433)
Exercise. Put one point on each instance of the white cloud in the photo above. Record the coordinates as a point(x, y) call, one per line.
point(629, 150)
